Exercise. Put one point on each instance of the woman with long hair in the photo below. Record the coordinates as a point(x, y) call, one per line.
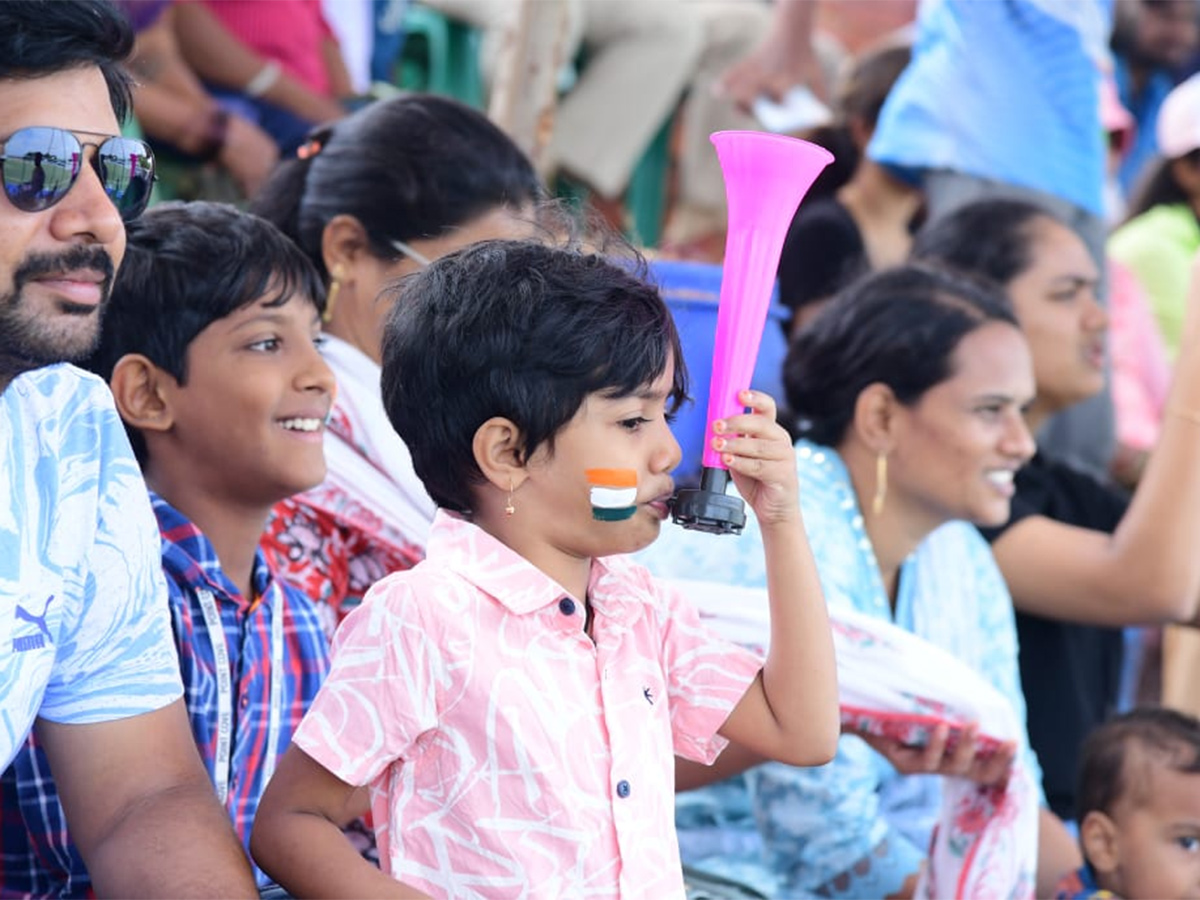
point(371, 198)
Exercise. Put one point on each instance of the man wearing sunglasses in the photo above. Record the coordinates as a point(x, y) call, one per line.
point(86, 650)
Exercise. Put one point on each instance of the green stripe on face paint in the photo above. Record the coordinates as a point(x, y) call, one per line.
point(612, 515)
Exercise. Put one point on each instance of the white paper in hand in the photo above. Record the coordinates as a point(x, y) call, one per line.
point(798, 111)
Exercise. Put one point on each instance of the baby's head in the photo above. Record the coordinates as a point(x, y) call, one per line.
point(1139, 804)
point(540, 379)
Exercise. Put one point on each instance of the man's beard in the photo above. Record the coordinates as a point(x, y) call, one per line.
point(30, 339)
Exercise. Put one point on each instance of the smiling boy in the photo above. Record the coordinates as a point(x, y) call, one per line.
point(209, 344)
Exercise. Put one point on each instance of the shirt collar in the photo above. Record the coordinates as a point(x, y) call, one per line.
point(189, 556)
point(614, 586)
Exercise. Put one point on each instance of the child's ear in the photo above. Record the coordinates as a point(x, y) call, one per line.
point(137, 387)
point(343, 242)
point(875, 417)
point(498, 448)
point(1101, 843)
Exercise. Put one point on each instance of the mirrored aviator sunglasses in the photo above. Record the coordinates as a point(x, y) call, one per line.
point(40, 165)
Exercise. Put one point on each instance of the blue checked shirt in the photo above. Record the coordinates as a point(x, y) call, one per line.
point(36, 855)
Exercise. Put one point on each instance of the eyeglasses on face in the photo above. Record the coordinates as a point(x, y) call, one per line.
point(40, 165)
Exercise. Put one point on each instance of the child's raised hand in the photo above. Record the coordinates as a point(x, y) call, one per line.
point(758, 453)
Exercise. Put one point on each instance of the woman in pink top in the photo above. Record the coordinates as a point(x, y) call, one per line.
point(1141, 374)
point(515, 702)
point(277, 63)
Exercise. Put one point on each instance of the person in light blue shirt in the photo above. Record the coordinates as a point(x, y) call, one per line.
point(1002, 100)
point(909, 389)
point(81, 585)
point(86, 654)
point(1151, 43)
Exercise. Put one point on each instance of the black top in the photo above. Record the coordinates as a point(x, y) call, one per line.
point(822, 253)
point(1070, 673)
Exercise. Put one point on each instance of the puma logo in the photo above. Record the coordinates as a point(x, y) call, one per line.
point(33, 641)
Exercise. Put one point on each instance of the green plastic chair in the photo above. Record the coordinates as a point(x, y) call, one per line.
point(440, 55)
point(646, 197)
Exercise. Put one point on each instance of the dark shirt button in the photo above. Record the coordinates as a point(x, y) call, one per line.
point(245, 701)
point(622, 789)
point(566, 606)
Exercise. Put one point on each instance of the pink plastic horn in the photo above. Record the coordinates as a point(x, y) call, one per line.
point(766, 176)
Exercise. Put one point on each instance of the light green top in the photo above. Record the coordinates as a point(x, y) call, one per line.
point(1158, 247)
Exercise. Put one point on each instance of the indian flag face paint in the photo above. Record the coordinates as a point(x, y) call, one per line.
point(614, 493)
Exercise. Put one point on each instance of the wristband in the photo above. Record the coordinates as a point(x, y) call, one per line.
point(264, 80)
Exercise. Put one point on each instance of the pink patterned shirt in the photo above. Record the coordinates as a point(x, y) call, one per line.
point(508, 755)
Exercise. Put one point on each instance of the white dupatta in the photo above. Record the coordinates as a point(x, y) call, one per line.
point(370, 471)
point(895, 684)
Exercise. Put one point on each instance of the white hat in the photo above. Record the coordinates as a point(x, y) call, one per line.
point(1178, 126)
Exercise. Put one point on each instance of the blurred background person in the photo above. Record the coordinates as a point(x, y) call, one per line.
point(1081, 558)
point(1161, 235)
point(1151, 42)
point(857, 216)
point(179, 117)
point(278, 63)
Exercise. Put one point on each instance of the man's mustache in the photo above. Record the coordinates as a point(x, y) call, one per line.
point(74, 259)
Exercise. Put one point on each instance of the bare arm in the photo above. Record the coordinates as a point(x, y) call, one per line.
point(298, 839)
point(219, 57)
point(790, 712)
point(172, 105)
point(734, 760)
point(335, 65)
point(785, 58)
point(142, 810)
point(1058, 853)
point(170, 102)
point(1148, 570)
point(156, 60)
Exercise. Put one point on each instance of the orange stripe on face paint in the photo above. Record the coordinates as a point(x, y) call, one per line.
point(612, 477)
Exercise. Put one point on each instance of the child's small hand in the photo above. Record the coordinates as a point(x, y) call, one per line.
point(759, 455)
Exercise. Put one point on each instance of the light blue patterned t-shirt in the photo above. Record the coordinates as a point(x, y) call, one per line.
point(855, 827)
point(85, 630)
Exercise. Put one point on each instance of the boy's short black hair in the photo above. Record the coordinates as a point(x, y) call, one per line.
point(518, 329)
point(186, 266)
point(1150, 735)
point(44, 37)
